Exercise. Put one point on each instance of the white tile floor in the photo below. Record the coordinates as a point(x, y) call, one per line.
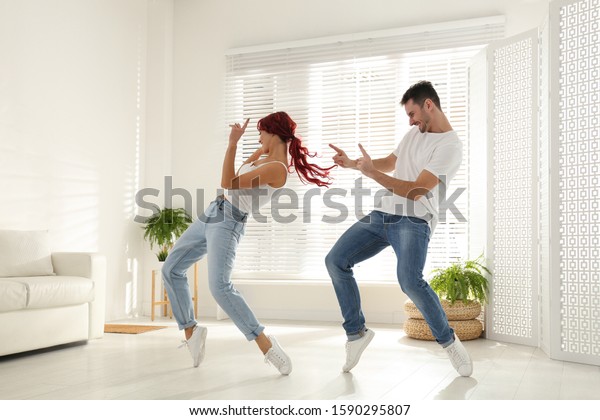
point(149, 366)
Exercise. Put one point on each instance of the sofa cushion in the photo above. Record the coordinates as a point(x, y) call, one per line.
point(25, 253)
point(13, 295)
point(48, 292)
point(54, 291)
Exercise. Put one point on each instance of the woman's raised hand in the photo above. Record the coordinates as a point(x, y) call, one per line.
point(237, 131)
point(342, 159)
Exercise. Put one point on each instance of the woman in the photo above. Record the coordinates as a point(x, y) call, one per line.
point(218, 232)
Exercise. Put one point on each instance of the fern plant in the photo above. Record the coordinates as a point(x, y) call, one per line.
point(164, 227)
point(463, 280)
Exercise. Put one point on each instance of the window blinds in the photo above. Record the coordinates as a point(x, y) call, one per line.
point(346, 91)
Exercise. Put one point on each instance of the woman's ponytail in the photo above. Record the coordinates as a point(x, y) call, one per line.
point(307, 172)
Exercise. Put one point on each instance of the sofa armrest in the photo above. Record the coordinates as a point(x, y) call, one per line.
point(80, 264)
point(92, 266)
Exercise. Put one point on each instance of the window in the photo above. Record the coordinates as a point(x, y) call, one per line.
point(344, 92)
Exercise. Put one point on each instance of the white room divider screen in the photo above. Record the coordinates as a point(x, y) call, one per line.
point(544, 196)
point(574, 181)
point(512, 205)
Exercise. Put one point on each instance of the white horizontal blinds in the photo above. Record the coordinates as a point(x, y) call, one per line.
point(450, 71)
point(343, 93)
point(354, 100)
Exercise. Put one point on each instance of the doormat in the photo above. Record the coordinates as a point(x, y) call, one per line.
point(130, 329)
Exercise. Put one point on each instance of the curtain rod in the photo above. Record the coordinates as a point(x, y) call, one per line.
point(385, 33)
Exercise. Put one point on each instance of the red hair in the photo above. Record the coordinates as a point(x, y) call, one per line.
point(282, 125)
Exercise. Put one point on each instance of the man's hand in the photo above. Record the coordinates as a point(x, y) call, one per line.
point(341, 158)
point(237, 132)
point(364, 163)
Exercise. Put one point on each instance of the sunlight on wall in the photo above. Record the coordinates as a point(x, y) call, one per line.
point(75, 194)
point(46, 189)
point(132, 286)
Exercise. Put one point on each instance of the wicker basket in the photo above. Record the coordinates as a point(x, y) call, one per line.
point(469, 329)
point(459, 311)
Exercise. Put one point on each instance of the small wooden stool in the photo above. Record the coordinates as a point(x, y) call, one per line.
point(164, 302)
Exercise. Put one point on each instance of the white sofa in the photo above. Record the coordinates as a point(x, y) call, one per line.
point(61, 303)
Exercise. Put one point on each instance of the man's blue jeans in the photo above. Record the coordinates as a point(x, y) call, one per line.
point(216, 234)
point(409, 238)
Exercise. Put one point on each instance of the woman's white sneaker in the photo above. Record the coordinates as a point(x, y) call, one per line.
point(196, 344)
point(278, 358)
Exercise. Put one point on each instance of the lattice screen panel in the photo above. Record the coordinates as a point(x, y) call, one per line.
point(577, 110)
point(546, 213)
point(513, 307)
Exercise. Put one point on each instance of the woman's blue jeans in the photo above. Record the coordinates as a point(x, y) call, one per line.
point(409, 238)
point(215, 234)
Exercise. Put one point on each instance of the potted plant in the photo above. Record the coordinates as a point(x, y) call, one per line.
point(463, 288)
point(464, 281)
point(164, 227)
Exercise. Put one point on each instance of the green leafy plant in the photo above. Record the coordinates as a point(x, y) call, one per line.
point(164, 227)
point(463, 280)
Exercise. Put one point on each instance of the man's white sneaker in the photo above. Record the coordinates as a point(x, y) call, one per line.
point(196, 344)
point(460, 358)
point(355, 348)
point(278, 358)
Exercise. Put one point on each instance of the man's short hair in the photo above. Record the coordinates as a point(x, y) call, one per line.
point(420, 92)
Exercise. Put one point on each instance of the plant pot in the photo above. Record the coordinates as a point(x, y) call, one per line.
point(459, 311)
point(461, 317)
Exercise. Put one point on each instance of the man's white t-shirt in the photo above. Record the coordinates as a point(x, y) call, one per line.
point(438, 153)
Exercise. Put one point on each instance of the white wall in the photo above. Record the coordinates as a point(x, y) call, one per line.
point(72, 128)
point(158, 129)
point(204, 30)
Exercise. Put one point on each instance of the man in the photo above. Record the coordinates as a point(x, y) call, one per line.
point(429, 154)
